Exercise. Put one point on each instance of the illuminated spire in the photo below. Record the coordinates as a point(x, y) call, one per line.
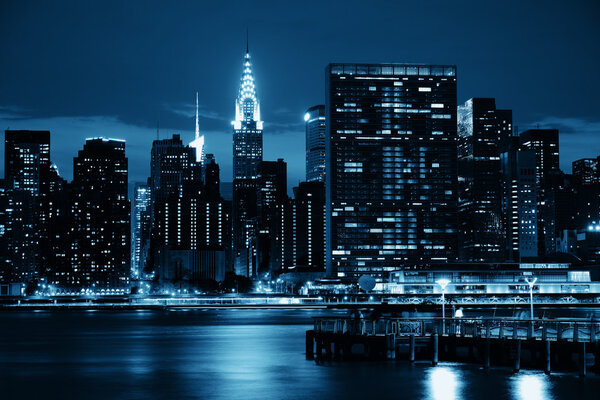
point(198, 142)
point(197, 123)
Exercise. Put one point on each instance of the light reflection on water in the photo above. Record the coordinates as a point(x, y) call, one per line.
point(445, 383)
point(531, 386)
point(227, 354)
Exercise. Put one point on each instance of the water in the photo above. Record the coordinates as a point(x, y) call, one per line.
point(227, 354)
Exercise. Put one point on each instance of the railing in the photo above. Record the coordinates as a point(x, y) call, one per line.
point(493, 328)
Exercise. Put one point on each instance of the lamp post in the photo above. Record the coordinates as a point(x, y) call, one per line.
point(531, 283)
point(443, 283)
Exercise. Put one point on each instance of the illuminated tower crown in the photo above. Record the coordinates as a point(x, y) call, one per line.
point(247, 107)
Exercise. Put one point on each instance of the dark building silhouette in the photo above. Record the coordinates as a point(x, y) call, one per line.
point(170, 166)
point(309, 227)
point(544, 143)
point(586, 171)
point(189, 226)
point(247, 154)
point(391, 167)
point(315, 143)
point(101, 251)
point(519, 201)
point(27, 190)
point(272, 203)
point(481, 133)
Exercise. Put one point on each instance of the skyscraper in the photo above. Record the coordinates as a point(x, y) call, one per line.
point(169, 166)
point(586, 171)
point(315, 143)
point(101, 211)
point(519, 201)
point(140, 229)
point(247, 154)
point(27, 176)
point(309, 227)
point(481, 133)
point(271, 209)
point(391, 167)
point(544, 143)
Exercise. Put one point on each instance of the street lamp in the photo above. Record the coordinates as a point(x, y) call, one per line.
point(443, 283)
point(531, 283)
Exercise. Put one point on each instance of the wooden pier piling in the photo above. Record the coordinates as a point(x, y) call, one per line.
point(547, 356)
point(434, 349)
point(517, 366)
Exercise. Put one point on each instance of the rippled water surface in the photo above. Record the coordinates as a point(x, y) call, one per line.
point(229, 354)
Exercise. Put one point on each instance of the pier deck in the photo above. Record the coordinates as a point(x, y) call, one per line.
point(542, 343)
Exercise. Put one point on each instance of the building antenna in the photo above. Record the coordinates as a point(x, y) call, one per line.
point(157, 137)
point(246, 40)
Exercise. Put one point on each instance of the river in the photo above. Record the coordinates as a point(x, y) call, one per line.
point(227, 354)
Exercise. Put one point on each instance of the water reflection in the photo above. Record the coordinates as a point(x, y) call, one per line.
point(531, 386)
point(444, 383)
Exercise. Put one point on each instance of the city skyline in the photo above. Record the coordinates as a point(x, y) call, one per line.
point(90, 105)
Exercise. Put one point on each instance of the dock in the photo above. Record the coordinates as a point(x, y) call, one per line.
point(544, 344)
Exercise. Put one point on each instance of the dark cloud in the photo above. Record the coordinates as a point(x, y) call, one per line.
point(116, 68)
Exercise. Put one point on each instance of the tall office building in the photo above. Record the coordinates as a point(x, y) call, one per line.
point(481, 133)
point(170, 166)
point(5, 258)
point(315, 143)
point(101, 213)
point(140, 230)
point(586, 171)
point(309, 227)
point(27, 175)
point(519, 201)
point(247, 154)
point(544, 143)
point(272, 203)
point(391, 168)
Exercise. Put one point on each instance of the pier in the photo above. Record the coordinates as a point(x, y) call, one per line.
point(538, 344)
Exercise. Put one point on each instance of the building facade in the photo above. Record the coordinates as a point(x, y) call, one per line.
point(480, 135)
point(141, 228)
point(27, 190)
point(544, 143)
point(101, 246)
point(391, 168)
point(309, 227)
point(519, 201)
point(315, 143)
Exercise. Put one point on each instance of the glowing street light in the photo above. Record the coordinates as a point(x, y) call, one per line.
point(443, 283)
point(531, 283)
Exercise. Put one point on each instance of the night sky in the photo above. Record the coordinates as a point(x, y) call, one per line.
point(114, 68)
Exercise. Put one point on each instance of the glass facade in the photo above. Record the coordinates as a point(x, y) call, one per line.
point(315, 143)
point(391, 167)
